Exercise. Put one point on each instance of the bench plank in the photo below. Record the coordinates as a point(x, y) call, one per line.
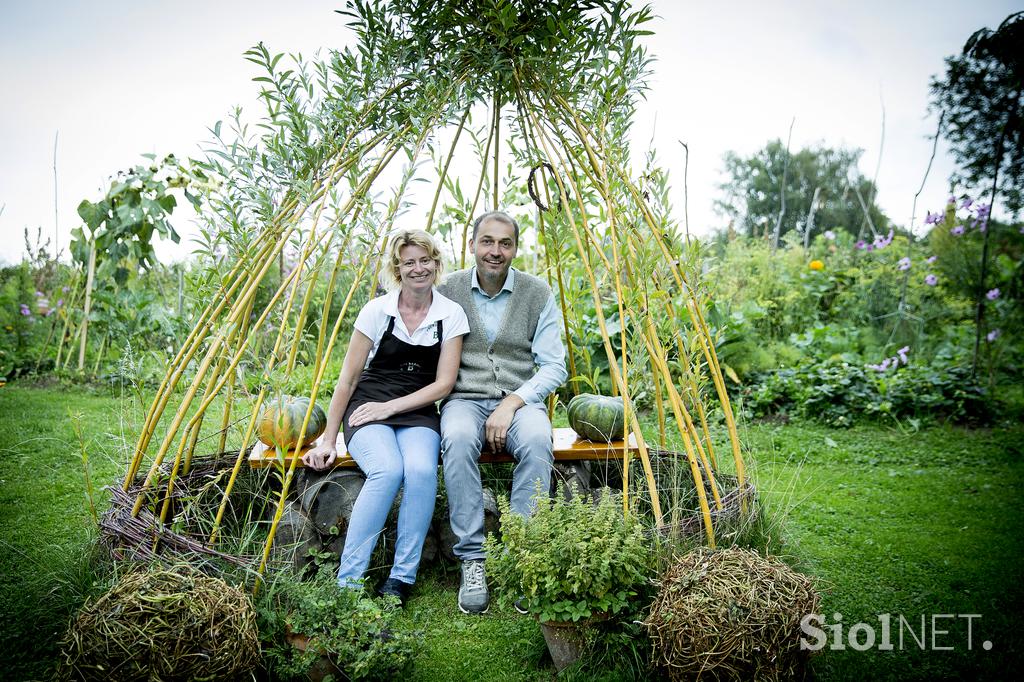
point(568, 448)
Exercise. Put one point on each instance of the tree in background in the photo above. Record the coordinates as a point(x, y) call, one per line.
point(980, 96)
point(823, 190)
point(980, 101)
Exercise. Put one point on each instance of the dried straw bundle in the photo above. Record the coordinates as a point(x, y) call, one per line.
point(163, 624)
point(730, 614)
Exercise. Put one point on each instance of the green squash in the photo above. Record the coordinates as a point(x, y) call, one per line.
point(597, 417)
point(279, 425)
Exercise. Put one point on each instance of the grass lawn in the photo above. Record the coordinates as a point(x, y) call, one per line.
point(911, 524)
point(890, 522)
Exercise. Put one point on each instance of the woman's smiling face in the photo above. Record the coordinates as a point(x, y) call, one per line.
point(416, 268)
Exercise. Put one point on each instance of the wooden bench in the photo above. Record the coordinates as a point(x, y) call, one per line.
point(568, 448)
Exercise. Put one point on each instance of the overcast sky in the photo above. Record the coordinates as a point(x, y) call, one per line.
point(119, 79)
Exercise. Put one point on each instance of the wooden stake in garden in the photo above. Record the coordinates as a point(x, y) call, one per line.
point(88, 305)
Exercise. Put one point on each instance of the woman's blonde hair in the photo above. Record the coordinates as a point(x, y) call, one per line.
point(391, 275)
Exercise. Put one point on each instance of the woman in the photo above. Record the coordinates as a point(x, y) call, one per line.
point(412, 337)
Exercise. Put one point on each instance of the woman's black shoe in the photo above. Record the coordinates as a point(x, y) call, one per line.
point(395, 588)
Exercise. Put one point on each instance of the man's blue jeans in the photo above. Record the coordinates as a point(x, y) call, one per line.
point(390, 456)
point(462, 437)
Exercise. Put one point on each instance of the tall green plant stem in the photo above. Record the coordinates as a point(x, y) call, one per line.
point(497, 145)
point(595, 294)
point(202, 328)
point(229, 399)
point(583, 135)
point(71, 304)
point(280, 238)
point(690, 377)
point(491, 133)
point(270, 239)
point(234, 319)
point(677, 408)
point(444, 168)
point(551, 244)
point(321, 366)
point(690, 434)
point(88, 304)
point(979, 312)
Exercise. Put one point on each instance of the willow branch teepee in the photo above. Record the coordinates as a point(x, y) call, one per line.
point(561, 78)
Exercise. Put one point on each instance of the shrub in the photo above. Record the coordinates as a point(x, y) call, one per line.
point(837, 392)
point(356, 633)
point(572, 559)
point(21, 324)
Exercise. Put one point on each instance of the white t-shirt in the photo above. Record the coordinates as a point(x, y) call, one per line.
point(373, 321)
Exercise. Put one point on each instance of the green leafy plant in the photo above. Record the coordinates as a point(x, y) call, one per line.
point(837, 393)
point(572, 560)
point(356, 633)
point(122, 223)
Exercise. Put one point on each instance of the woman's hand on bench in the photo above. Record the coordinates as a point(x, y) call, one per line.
point(321, 457)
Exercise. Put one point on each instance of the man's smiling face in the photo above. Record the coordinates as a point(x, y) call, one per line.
point(494, 247)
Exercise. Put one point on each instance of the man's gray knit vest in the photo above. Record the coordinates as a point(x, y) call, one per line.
point(493, 370)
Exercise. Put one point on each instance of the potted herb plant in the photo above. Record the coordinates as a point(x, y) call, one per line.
point(573, 562)
point(318, 631)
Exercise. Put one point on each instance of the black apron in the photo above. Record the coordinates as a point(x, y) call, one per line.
point(397, 369)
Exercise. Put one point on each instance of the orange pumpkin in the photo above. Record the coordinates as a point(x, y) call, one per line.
point(279, 425)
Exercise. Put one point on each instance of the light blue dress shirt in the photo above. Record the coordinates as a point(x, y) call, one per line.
point(548, 350)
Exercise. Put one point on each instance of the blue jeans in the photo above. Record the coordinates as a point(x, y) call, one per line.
point(391, 456)
point(462, 437)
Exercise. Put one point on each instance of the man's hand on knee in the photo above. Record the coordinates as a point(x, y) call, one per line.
point(496, 426)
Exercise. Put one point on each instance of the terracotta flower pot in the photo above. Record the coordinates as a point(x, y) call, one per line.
point(565, 641)
point(322, 667)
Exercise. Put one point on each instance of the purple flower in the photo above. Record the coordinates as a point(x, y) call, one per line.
point(931, 280)
point(931, 259)
point(992, 294)
point(64, 290)
point(882, 242)
point(861, 244)
point(829, 235)
point(982, 225)
point(967, 202)
point(882, 367)
point(904, 264)
point(992, 335)
point(40, 294)
point(957, 230)
point(60, 302)
point(932, 218)
point(951, 199)
point(902, 352)
point(25, 310)
point(982, 210)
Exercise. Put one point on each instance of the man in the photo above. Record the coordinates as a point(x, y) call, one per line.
point(512, 359)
